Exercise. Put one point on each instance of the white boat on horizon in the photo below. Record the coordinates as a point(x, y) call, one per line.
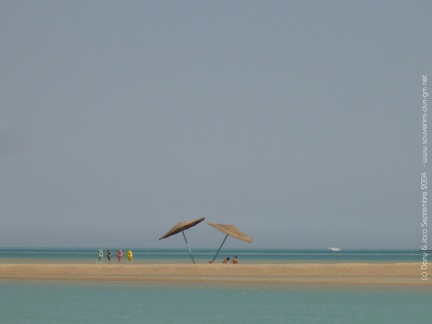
point(335, 249)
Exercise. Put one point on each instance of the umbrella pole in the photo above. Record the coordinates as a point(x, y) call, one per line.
point(220, 247)
point(188, 247)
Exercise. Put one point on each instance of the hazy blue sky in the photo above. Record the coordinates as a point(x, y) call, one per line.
point(297, 121)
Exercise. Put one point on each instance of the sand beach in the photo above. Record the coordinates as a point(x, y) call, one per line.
point(386, 274)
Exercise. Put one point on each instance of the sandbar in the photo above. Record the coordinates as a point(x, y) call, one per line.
point(386, 274)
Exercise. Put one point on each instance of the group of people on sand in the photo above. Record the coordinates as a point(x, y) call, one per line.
point(233, 261)
point(129, 255)
point(227, 260)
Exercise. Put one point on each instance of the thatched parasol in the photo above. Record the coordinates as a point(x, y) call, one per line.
point(180, 227)
point(232, 231)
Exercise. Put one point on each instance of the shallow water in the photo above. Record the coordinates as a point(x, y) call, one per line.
point(19, 255)
point(83, 302)
point(109, 302)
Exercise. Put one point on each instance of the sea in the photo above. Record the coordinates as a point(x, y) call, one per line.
point(140, 302)
point(182, 255)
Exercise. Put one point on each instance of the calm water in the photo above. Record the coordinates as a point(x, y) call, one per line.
point(110, 302)
point(59, 302)
point(204, 255)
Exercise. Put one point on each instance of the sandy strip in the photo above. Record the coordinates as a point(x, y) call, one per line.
point(389, 274)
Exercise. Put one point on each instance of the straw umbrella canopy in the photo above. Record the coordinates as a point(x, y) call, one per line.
point(181, 227)
point(232, 231)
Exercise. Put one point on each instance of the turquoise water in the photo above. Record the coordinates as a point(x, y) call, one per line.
point(60, 302)
point(111, 302)
point(204, 255)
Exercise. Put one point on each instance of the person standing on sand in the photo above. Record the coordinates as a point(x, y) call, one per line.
point(119, 255)
point(129, 255)
point(108, 255)
point(100, 255)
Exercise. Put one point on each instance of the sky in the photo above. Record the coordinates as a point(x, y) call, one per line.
point(299, 122)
